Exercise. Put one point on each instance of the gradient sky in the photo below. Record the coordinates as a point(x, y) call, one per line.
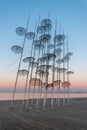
point(71, 14)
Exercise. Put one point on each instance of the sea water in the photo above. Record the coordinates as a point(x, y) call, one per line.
point(19, 96)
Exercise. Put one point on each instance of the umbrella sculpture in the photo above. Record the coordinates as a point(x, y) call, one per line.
point(47, 65)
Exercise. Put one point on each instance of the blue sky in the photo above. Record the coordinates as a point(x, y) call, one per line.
point(71, 14)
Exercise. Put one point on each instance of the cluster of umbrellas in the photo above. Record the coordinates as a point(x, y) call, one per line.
point(47, 65)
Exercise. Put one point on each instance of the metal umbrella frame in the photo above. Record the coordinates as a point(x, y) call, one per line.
point(50, 56)
point(21, 31)
point(69, 54)
point(65, 58)
point(28, 59)
point(34, 64)
point(17, 49)
point(23, 72)
point(45, 22)
point(42, 59)
point(59, 61)
point(35, 81)
point(48, 27)
point(45, 67)
point(39, 46)
point(66, 84)
point(36, 42)
point(59, 44)
point(40, 30)
point(69, 72)
point(58, 51)
point(51, 46)
point(45, 38)
point(30, 35)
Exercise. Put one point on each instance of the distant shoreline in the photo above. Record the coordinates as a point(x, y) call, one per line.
point(20, 96)
point(36, 92)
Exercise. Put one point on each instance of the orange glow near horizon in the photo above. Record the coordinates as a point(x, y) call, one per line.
point(9, 84)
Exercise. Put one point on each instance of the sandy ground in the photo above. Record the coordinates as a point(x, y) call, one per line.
point(68, 117)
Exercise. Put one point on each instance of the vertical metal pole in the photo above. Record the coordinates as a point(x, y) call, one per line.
point(26, 83)
point(36, 76)
point(31, 75)
point(63, 70)
point(19, 65)
point(58, 84)
point(45, 92)
point(37, 65)
point(29, 87)
point(59, 75)
point(46, 81)
point(41, 76)
point(68, 67)
point(53, 76)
